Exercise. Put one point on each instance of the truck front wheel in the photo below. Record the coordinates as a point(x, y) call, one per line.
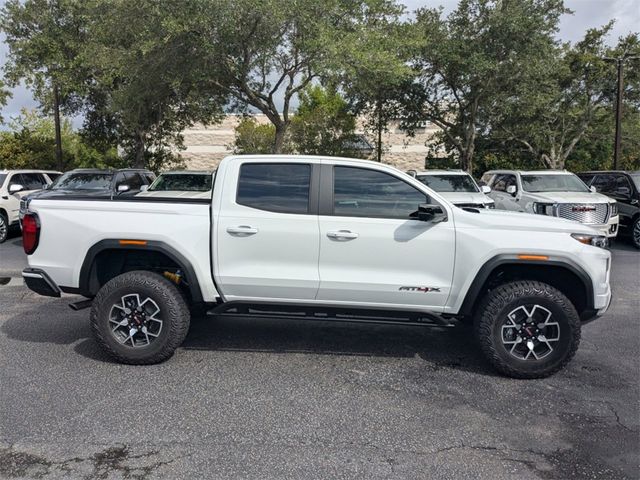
point(139, 318)
point(527, 329)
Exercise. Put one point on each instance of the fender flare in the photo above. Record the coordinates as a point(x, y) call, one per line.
point(475, 290)
point(150, 246)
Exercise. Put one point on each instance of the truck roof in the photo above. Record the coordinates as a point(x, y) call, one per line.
point(533, 172)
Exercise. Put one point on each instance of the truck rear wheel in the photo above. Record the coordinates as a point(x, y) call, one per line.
point(527, 329)
point(140, 318)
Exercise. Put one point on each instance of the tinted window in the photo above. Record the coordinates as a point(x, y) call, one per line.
point(553, 183)
point(83, 181)
point(276, 187)
point(449, 183)
point(603, 183)
point(30, 181)
point(148, 177)
point(359, 192)
point(52, 176)
point(486, 178)
point(586, 177)
point(634, 176)
point(134, 180)
point(502, 181)
point(184, 182)
point(2, 178)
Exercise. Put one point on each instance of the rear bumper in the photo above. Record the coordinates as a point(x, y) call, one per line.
point(38, 281)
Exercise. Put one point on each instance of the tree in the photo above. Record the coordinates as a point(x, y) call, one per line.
point(44, 38)
point(252, 137)
point(482, 49)
point(263, 53)
point(323, 124)
point(31, 143)
point(143, 92)
point(570, 97)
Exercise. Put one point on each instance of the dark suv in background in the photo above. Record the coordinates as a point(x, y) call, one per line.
point(625, 188)
point(93, 183)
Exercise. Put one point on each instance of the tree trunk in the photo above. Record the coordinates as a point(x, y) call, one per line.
point(56, 121)
point(281, 132)
point(138, 161)
point(466, 162)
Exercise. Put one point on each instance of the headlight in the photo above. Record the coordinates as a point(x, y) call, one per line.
point(490, 205)
point(614, 209)
point(543, 209)
point(593, 240)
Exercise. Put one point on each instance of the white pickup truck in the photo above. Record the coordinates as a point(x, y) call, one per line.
point(326, 239)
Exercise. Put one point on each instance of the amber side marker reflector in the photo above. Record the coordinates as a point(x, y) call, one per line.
point(133, 242)
point(533, 257)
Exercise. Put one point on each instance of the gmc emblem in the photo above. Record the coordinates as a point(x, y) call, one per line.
point(584, 208)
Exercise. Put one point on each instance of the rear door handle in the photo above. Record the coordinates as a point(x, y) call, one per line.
point(242, 230)
point(342, 235)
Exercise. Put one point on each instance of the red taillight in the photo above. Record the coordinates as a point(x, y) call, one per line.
point(30, 233)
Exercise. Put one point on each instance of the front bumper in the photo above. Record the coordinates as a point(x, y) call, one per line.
point(38, 281)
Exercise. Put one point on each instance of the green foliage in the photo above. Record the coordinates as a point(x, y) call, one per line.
point(252, 137)
point(482, 50)
point(323, 124)
point(31, 144)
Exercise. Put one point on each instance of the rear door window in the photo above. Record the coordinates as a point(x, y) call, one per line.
point(31, 181)
point(275, 187)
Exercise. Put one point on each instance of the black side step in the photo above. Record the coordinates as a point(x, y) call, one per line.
point(282, 311)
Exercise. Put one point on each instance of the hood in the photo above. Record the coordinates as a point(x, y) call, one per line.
point(568, 197)
point(175, 194)
point(507, 220)
point(466, 197)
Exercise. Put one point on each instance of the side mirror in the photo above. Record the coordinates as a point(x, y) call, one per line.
point(593, 189)
point(15, 188)
point(144, 188)
point(511, 190)
point(430, 213)
point(485, 189)
point(123, 188)
point(412, 173)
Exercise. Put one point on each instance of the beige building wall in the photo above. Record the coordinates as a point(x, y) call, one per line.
point(206, 146)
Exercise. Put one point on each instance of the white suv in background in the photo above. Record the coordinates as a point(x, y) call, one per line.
point(457, 186)
point(14, 184)
point(556, 193)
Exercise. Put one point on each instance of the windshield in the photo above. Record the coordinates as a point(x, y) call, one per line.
point(634, 176)
point(83, 181)
point(553, 183)
point(2, 177)
point(449, 183)
point(184, 182)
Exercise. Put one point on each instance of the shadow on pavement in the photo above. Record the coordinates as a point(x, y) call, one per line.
point(439, 347)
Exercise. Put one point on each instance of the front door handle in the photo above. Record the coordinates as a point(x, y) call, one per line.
point(242, 230)
point(342, 235)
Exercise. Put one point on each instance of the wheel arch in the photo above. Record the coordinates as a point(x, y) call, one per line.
point(560, 272)
point(111, 257)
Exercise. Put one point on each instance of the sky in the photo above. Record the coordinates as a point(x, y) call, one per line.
point(587, 14)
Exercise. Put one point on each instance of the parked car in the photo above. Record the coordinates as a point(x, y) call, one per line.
point(624, 187)
point(556, 193)
point(327, 239)
point(180, 183)
point(94, 183)
point(14, 185)
point(457, 186)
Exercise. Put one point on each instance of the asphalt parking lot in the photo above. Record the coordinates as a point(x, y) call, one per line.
point(265, 399)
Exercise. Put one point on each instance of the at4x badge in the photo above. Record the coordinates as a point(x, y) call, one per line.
point(419, 289)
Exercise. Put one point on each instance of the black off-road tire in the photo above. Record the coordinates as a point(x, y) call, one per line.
point(493, 311)
point(4, 228)
point(174, 314)
point(635, 233)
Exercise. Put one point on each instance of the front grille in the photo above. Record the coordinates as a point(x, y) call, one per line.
point(591, 213)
